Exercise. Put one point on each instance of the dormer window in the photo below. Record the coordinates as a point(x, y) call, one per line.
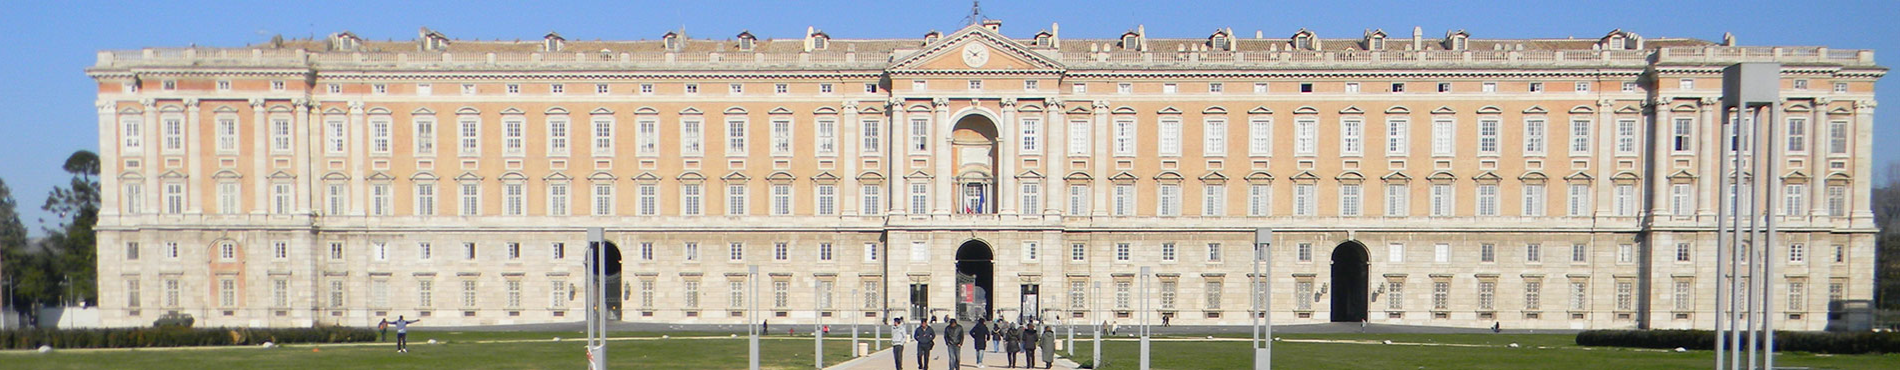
point(552, 43)
point(672, 41)
point(1457, 40)
point(747, 41)
point(1620, 40)
point(434, 41)
point(1617, 42)
point(820, 41)
point(345, 41)
point(1042, 39)
point(1131, 41)
point(1221, 42)
point(1305, 40)
point(932, 37)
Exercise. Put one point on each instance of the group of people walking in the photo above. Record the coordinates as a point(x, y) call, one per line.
point(993, 335)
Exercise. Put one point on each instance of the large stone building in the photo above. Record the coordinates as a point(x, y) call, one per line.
point(1454, 181)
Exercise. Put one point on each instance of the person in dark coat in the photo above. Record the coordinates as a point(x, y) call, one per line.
point(953, 338)
point(926, 338)
point(980, 333)
point(1010, 344)
point(1048, 345)
point(1030, 339)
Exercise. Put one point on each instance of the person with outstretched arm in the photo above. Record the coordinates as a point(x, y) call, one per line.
point(402, 333)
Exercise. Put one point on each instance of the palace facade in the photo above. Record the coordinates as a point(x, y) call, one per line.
point(1445, 181)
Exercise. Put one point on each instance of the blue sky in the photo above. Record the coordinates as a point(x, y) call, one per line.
point(48, 101)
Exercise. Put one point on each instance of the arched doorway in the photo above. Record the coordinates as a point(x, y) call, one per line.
point(973, 143)
point(1349, 282)
point(976, 275)
point(613, 271)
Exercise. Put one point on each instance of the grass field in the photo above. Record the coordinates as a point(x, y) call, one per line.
point(463, 350)
point(1559, 352)
point(534, 350)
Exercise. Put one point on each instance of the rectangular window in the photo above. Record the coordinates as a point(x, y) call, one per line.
point(826, 199)
point(514, 199)
point(1349, 200)
point(1794, 200)
point(1533, 295)
point(1031, 85)
point(1351, 140)
point(1078, 200)
point(1837, 137)
point(1124, 137)
point(737, 294)
point(1305, 200)
point(1579, 200)
point(468, 251)
point(781, 137)
point(649, 199)
point(174, 130)
point(781, 200)
point(557, 250)
point(603, 199)
point(872, 137)
point(1078, 252)
point(1442, 140)
point(826, 137)
point(1259, 199)
point(1534, 200)
point(513, 135)
point(1533, 253)
point(425, 135)
point(870, 252)
point(470, 135)
point(1305, 136)
point(647, 139)
point(1683, 134)
point(1395, 253)
point(1488, 136)
point(1124, 200)
point(1302, 291)
point(1684, 295)
point(1260, 136)
point(1169, 200)
point(1579, 253)
point(1444, 203)
point(873, 199)
point(781, 294)
point(1441, 253)
point(175, 198)
point(1395, 137)
point(558, 199)
point(1579, 296)
point(1214, 137)
point(1537, 87)
point(919, 198)
point(735, 251)
point(781, 252)
point(1487, 295)
point(1797, 253)
point(1487, 252)
point(1837, 201)
point(1032, 133)
point(1031, 251)
point(1170, 132)
point(1122, 252)
point(1488, 200)
point(692, 137)
point(735, 199)
point(1395, 295)
point(1352, 87)
point(1441, 295)
point(735, 136)
point(1123, 294)
point(1031, 198)
point(1625, 199)
point(1683, 251)
point(1797, 134)
point(133, 133)
point(824, 251)
point(280, 134)
point(1681, 199)
point(919, 134)
point(1214, 200)
point(1304, 252)
point(1625, 253)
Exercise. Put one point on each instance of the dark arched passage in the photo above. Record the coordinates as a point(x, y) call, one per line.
point(976, 265)
point(1349, 282)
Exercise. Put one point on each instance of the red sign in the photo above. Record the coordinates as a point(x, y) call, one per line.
point(969, 292)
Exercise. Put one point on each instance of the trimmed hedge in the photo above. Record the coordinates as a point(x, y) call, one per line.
point(174, 336)
point(1791, 341)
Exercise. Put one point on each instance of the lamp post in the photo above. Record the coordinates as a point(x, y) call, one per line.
point(1263, 298)
point(752, 311)
point(818, 323)
point(1097, 347)
point(854, 322)
point(597, 295)
point(1144, 313)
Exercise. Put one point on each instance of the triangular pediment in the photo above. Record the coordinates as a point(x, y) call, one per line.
point(990, 51)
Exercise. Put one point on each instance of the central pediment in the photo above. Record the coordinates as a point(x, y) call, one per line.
point(975, 49)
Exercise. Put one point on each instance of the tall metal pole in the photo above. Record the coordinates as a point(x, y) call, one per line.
point(1144, 313)
point(752, 312)
point(854, 322)
point(818, 323)
point(1724, 208)
point(1097, 348)
point(1263, 269)
point(1776, 192)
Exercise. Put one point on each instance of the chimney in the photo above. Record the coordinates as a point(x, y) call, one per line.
point(1418, 38)
point(993, 25)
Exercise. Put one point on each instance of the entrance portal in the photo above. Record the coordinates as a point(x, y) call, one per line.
point(614, 292)
point(1349, 282)
point(975, 260)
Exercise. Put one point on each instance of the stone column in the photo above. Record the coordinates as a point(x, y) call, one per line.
point(1098, 162)
point(943, 189)
point(110, 165)
point(302, 159)
point(850, 153)
point(1007, 193)
point(1817, 161)
point(149, 147)
point(1055, 159)
point(1863, 125)
point(359, 167)
point(260, 152)
point(195, 180)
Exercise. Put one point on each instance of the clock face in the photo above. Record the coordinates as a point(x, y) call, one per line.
point(975, 55)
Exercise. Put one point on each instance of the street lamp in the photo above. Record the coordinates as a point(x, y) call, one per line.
point(1263, 299)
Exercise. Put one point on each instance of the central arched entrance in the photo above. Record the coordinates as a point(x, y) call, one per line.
point(976, 275)
point(615, 294)
point(1349, 282)
point(973, 143)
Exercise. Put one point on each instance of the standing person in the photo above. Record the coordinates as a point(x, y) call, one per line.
point(384, 327)
point(897, 342)
point(996, 335)
point(1010, 343)
point(765, 327)
point(953, 337)
point(1030, 339)
point(1048, 346)
point(980, 332)
point(926, 337)
point(402, 333)
point(1164, 320)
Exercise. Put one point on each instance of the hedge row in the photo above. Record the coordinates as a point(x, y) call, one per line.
point(1794, 341)
point(178, 337)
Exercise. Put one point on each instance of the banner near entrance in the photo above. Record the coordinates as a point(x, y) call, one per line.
point(1029, 304)
point(969, 297)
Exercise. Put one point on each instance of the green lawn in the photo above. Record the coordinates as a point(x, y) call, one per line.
point(456, 351)
point(1236, 355)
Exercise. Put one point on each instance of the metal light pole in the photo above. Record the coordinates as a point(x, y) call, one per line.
point(854, 322)
point(1145, 271)
point(1097, 348)
point(752, 311)
point(818, 323)
point(1752, 90)
point(597, 297)
point(1263, 342)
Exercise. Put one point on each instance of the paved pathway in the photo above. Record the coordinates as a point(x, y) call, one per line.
point(941, 361)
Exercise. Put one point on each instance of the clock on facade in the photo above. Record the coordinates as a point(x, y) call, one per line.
point(975, 55)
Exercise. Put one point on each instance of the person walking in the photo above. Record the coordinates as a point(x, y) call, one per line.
point(1048, 347)
point(897, 342)
point(953, 337)
point(980, 333)
point(926, 338)
point(402, 333)
point(384, 328)
point(996, 335)
point(1010, 343)
point(1030, 339)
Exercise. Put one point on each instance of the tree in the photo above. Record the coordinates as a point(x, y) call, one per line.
point(24, 272)
point(1886, 206)
point(72, 251)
